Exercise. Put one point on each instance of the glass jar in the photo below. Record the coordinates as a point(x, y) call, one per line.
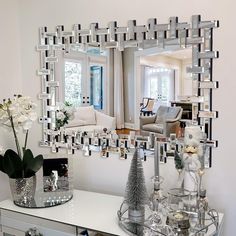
point(177, 198)
point(192, 203)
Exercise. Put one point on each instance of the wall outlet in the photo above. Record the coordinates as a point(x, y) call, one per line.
point(130, 118)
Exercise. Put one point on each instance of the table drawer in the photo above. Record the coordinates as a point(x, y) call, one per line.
point(21, 222)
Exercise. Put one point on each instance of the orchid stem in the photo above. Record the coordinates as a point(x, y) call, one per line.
point(26, 139)
point(14, 132)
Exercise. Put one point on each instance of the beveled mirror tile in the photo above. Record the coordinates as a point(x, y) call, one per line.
point(208, 55)
point(208, 84)
point(208, 114)
point(44, 96)
point(209, 24)
point(197, 40)
point(67, 34)
point(51, 59)
point(84, 32)
point(58, 47)
point(51, 34)
point(196, 70)
point(52, 84)
point(212, 143)
point(43, 72)
point(52, 108)
point(42, 47)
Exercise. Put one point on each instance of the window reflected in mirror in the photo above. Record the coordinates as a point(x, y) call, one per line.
point(84, 78)
point(159, 84)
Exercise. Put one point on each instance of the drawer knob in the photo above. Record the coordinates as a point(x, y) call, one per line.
point(33, 232)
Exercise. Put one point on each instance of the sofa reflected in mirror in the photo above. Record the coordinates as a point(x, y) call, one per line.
point(165, 122)
point(86, 118)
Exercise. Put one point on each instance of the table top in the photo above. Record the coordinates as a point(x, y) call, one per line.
point(88, 210)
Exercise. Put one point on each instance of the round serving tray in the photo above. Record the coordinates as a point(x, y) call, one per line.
point(46, 199)
point(212, 220)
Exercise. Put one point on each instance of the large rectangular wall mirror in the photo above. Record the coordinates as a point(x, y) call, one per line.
point(128, 72)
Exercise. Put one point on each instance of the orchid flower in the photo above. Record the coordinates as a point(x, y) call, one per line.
point(18, 114)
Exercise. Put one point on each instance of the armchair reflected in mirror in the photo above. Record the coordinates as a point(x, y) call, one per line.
point(165, 122)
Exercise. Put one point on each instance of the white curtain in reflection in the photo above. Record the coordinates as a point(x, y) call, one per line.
point(118, 90)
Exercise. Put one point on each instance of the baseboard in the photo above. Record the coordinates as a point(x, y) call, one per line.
point(129, 125)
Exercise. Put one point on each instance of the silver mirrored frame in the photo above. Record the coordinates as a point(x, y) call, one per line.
point(197, 34)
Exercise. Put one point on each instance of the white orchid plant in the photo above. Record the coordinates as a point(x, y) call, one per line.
point(64, 114)
point(18, 114)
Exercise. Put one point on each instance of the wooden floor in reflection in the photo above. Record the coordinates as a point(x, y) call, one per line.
point(126, 131)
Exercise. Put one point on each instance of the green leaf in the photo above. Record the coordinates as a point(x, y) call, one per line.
point(30, 164)
point(1, 164)
point(38, 162)
point(178, 161)
point(12, 164)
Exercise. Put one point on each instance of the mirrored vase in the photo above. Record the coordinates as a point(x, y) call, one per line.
point(23, 189)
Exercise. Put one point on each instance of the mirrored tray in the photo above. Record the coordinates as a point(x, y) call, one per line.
point(154, 223)
point(46, 199)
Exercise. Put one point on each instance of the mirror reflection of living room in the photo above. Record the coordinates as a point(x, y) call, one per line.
point(101, 85)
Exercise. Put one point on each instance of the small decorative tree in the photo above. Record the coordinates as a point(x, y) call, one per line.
point(136, 194)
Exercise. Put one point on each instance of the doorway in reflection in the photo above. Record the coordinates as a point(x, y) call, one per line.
point(159, 84)
point(96, 89)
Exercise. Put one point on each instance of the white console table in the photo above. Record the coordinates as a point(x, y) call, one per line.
point(87, 210)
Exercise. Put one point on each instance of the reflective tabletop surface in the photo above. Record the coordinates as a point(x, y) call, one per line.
point(46, 199)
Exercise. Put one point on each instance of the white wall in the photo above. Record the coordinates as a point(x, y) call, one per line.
point(33, 14)
point(10, 75)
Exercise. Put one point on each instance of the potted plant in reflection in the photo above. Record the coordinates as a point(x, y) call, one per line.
point(17, 115)
point(64, 114)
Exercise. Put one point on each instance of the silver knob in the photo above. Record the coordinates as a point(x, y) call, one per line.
point(33, 232)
